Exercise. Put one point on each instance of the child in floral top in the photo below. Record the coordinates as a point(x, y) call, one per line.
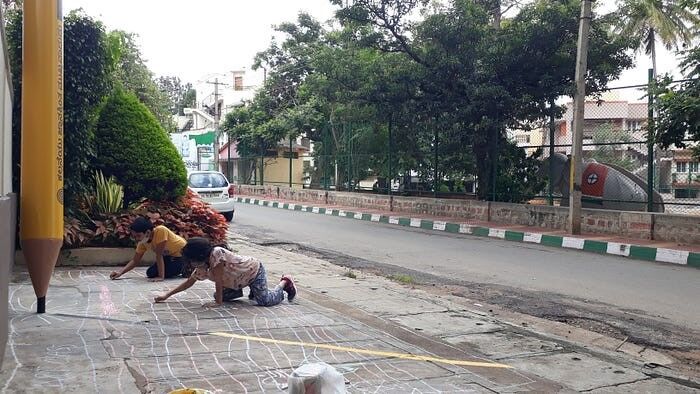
point(231, 273)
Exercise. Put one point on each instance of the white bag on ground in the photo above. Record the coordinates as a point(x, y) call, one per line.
point(316, 378)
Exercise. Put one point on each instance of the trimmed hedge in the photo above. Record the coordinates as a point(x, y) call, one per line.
point(134, 148)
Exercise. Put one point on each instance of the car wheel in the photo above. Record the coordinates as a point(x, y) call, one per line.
point(228, 216)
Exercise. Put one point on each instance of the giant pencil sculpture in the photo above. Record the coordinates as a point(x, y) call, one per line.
point(41, 192)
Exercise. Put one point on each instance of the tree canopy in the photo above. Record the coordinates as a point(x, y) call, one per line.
point(452, 81)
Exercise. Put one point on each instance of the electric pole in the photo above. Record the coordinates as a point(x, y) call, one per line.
point(217, 115)
point(576, 163)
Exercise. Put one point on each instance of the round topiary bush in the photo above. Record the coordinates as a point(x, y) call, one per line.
point(133, 147)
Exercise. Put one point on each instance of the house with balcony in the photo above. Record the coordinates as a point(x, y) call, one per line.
point(217, 95)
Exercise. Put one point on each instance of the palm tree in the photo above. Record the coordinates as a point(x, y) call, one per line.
point(652, 20)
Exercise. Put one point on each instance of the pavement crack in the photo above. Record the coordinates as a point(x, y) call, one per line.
point(139, 379)
point(616, 385)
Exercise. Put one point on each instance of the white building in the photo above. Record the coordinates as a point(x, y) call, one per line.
point(216, 94)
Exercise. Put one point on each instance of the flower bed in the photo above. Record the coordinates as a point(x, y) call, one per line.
point(188, 217)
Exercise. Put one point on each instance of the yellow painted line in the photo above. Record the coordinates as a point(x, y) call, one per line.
point(404, 356)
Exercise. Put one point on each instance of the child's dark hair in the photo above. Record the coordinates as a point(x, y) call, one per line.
point(141, 225)
point(197, 249)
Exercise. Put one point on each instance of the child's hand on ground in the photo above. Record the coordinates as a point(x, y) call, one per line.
point(156, 279)
point(211, 305)
point(114, 275)
point(160, 298)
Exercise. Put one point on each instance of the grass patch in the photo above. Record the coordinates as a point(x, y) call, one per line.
point(350, 275)
point(405, 279)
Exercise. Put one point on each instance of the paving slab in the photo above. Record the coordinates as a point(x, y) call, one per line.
point(396, 305)
point(504, 344)
point(578, 371)
point(446, 324)
point(647, 386)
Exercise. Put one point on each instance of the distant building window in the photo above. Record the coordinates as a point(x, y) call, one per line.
point(522, 139)
point(694, 166)
point(681, 167)
point(634, 125)
point(238, 83)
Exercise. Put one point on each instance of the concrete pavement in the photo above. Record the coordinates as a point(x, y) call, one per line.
point(107, 336)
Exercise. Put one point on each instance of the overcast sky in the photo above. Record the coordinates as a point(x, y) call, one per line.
point(191, 39)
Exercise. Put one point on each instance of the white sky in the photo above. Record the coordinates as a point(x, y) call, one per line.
point(191, 39)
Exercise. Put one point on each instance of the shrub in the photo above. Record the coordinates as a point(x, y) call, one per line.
point(108, 196)
point(187, 217)
point(134, 148)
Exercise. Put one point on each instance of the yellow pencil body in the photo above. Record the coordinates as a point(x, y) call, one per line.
point(41, 191)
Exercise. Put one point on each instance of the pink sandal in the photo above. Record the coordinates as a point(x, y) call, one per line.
point(289, 287)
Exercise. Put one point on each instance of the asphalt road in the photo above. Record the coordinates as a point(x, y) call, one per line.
point(664, 292)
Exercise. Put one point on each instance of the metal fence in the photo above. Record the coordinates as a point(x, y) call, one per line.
point(622, 167)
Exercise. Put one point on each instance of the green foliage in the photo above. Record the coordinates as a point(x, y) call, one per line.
point(88, 65)
point(670, 21)
point(678, 106)
point(612, 154)
point(108, 196)
point(181, 96)
point(13, 29)
point(461, 75)
point(132, 147)
point(401, 278)
point(88, 68)
point(133, 75)
point(517, 180)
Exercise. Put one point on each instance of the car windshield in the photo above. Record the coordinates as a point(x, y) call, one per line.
point(205, 180)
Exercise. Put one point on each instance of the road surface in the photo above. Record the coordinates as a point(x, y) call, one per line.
point(664, 293)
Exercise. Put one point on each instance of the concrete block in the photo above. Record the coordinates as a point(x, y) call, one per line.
point(105, 257)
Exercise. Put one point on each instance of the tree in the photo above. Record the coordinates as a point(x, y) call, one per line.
point(134, 148)
point(88, 63)
point(605, 153)
point(679, 106)
point(452, 78)
point(504, 76)
point(14, 51)
point(670, 21)
point(133, 75)
point(181, 96)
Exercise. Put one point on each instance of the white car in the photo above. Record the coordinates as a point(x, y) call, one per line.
point(214, 189)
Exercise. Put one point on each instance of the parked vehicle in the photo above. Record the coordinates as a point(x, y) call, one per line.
point(214, 189)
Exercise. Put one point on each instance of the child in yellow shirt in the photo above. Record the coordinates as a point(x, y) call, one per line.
point(166, 245)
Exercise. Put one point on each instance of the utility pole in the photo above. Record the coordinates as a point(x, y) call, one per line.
point(217, 115)
point(576, 164)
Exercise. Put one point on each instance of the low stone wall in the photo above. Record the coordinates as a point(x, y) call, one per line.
point(449, 208)
point(636, 225)
point(677, 228)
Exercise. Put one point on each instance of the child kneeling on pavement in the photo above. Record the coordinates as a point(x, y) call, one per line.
point(166, 245)
point(231, 273)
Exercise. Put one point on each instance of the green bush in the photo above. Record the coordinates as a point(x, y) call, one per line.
point(108, 196)
point(133, 148)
